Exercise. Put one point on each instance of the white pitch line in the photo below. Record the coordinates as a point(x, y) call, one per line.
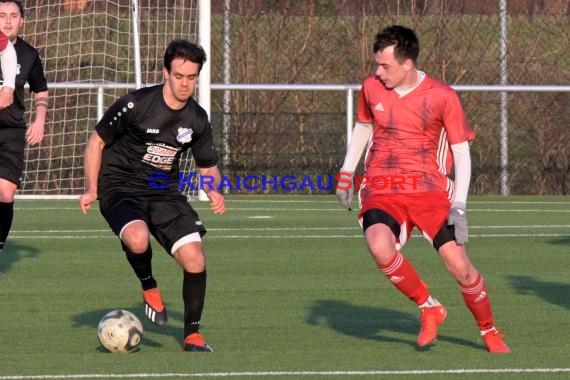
point(292, 373)
point(266, 209)
point(355, 228)
point(210, 237)
point(318, 199)
point(360, 236)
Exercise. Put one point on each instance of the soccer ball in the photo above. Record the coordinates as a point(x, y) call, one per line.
point(120, 331)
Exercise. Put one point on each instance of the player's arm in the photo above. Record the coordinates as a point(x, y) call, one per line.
point(459, 134)
point(206, 158)
point(462, 164)
point(211, 178)
point(35, 131)
point(39, 87)
point(9, 64)
point(457, 213)
point(358, 142)
point(91, 167)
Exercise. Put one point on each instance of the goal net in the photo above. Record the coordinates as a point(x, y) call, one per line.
point(89, 52)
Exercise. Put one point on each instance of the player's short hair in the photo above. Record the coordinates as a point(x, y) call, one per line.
point(407, 45)
point(187, 50)
point(20, 5)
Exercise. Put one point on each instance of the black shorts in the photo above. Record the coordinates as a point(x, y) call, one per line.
point(168, 215)
point(12, 146)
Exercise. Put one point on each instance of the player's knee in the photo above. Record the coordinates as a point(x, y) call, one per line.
point(380, 231)
point(137, 246)
point(136, 237)
point(7, 191)
point(135, 234)
point(191, 259)
point(6, 198)
point(381, 246)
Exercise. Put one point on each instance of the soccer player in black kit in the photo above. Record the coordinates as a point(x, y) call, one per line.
point(145, 132)
point(13, 129)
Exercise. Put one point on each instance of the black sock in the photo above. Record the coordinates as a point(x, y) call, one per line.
point(6, 217)
point(142, 265)
point(193, 294)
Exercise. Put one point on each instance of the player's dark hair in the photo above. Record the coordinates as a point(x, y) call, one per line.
point(407, 45)
point(19, 4)
point(186, 50)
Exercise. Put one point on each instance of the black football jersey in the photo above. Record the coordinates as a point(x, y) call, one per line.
point(144, 136)
point(30, 70)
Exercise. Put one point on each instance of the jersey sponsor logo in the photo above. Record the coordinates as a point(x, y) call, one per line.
point(161, 157)
point(161, 151)
point(153, 131)
point(184, 135)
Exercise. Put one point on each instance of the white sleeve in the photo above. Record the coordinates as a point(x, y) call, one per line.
point(9, 64)
point(462, 164)
point(358, 142)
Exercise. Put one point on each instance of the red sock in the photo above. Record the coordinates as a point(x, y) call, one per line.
point(477, 300)
point(402, 274)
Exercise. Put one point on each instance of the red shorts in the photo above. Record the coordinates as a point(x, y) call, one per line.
point(426, 211)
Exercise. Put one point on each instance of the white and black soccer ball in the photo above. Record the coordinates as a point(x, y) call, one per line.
point(120, 331)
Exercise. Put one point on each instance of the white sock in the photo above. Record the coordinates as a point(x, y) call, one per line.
point(486, 331)
point(431, 302)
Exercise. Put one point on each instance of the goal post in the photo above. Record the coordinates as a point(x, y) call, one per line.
point(94, 51)
point(204, 79)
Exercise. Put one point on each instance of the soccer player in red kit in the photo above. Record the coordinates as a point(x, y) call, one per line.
point(414, 131)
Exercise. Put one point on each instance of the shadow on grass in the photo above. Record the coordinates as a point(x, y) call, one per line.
point(556, 293)
point(372, 323)
point(564, 240)
point(91, 320)
point(14, 252)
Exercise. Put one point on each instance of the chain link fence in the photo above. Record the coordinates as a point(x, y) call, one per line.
point(303, 133)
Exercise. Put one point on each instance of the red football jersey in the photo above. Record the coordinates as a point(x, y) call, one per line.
point(410, 147)
point(3, 41)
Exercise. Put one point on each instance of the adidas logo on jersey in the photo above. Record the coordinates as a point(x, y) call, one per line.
point(153, 131)
point(379, 107)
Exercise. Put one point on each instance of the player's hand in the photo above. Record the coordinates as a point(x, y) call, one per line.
point(35, 133)
point(86, 200)
point(458, 218)
point(345, 189)
point(6, 97)
point(217, 202)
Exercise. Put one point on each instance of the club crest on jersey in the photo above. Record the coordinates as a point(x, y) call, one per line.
point(184, 135)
